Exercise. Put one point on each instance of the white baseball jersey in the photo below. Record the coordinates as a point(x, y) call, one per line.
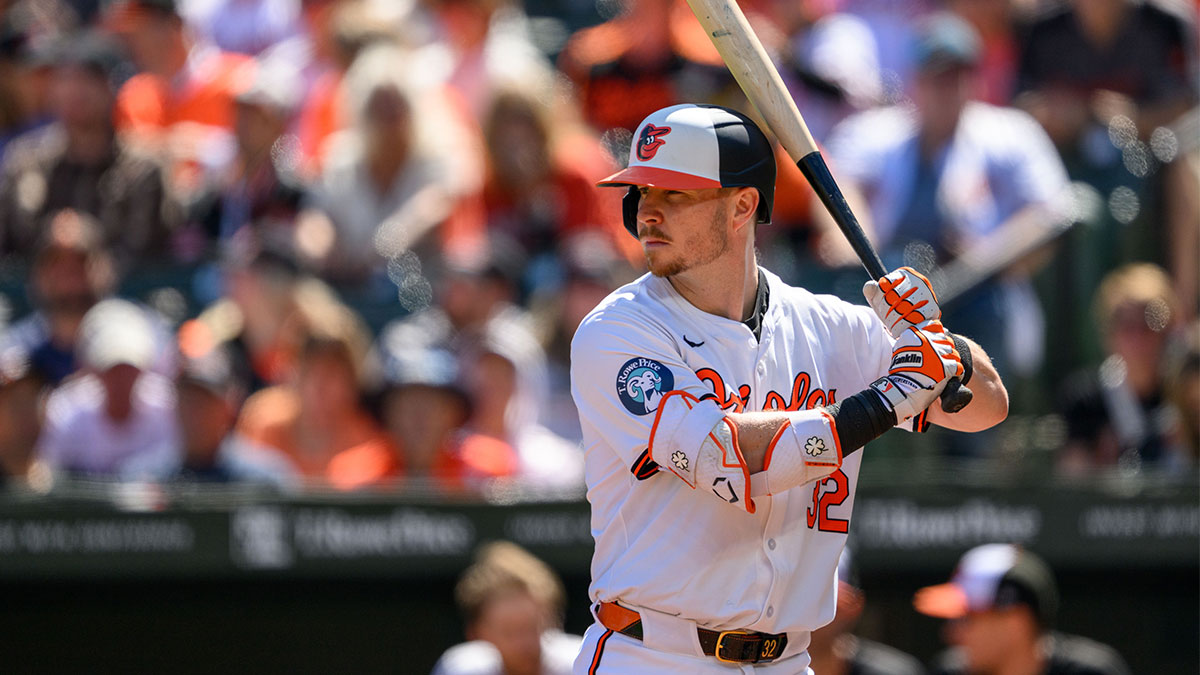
point(662, 545)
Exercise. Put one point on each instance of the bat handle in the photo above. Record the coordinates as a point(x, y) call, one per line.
point(955, 396)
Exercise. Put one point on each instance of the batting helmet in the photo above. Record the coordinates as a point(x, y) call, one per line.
point(692, 147)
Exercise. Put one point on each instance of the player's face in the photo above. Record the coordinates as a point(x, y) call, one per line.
point(683, 229)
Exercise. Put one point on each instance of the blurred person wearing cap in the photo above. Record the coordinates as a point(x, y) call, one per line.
point(78, 162)
point(952, 178)
point(1001, 603)
point(22, 397)
point(425, 408)
point(257, 316)
point(836, 650)
point(117, 418)
point(1119, 415)
point(402, 181)
point(512, 605)
point(260, 189)
point(210, 393)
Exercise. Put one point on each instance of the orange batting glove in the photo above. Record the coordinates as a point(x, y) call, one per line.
point(903, 299)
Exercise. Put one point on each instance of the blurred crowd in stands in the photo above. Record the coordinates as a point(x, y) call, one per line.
point(345, 243)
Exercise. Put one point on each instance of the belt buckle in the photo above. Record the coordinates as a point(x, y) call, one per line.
point(721, 643)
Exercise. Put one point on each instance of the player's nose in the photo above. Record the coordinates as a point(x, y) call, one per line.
point(649, 212)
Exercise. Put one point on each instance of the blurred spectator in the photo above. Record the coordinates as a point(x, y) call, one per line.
point(504, 410)
point(425, 409)
point(71, 271)
point(1085, 61)
point(954, 178)
point(77, 162)
point(540, 190)
point(396, 181)
point(894, 24)
point(476, 318)
point(835, 68)
point(1119, 414)
point(512, 605)
point(335, 32)
point(995, 21)
point(484, 47)
point(22, 393)
point(834, 648)
point(1182, 368)
point(260, 188)
point(28, 29)
point(257, 318)
point(1181, 211)
point(592, 270)
point(652, 55)
point(243, 26)
point(117, 418)
point(180, 104)
point(1002, 603)
point(319, 411)
point(209, 396)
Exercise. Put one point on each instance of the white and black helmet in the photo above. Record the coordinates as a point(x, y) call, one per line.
point(693, 147)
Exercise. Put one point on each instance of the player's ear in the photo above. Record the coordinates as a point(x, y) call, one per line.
point(745, 208)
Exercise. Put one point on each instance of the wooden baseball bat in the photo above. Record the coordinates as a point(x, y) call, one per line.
point(743, 53)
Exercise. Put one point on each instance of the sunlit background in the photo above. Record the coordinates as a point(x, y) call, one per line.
point(287, 289)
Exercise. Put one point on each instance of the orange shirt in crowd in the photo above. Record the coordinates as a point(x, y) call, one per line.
point(321, 115)
point(471, 457)
point(272, 417)
point(203, 94)
point(616, 92)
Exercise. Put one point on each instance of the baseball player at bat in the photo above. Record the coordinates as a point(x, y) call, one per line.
point(723, 410)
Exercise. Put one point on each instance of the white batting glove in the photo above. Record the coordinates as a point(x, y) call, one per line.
point(903, 299)
point(923, 361)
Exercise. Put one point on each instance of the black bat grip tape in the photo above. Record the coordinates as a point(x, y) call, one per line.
point(956, 396)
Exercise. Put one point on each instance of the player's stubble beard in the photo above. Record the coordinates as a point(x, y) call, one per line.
point(712, 244)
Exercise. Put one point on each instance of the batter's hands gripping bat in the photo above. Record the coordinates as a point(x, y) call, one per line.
point(752, 68)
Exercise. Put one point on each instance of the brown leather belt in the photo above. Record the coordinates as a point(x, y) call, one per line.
point(728, 646)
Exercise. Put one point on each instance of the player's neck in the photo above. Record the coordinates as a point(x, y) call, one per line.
point(725, 287)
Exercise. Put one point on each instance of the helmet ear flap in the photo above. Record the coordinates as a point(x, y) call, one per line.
point(629, 209)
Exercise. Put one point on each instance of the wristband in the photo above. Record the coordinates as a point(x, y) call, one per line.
point(860, 419)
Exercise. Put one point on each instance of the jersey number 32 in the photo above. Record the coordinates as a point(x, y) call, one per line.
point(826, 493)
